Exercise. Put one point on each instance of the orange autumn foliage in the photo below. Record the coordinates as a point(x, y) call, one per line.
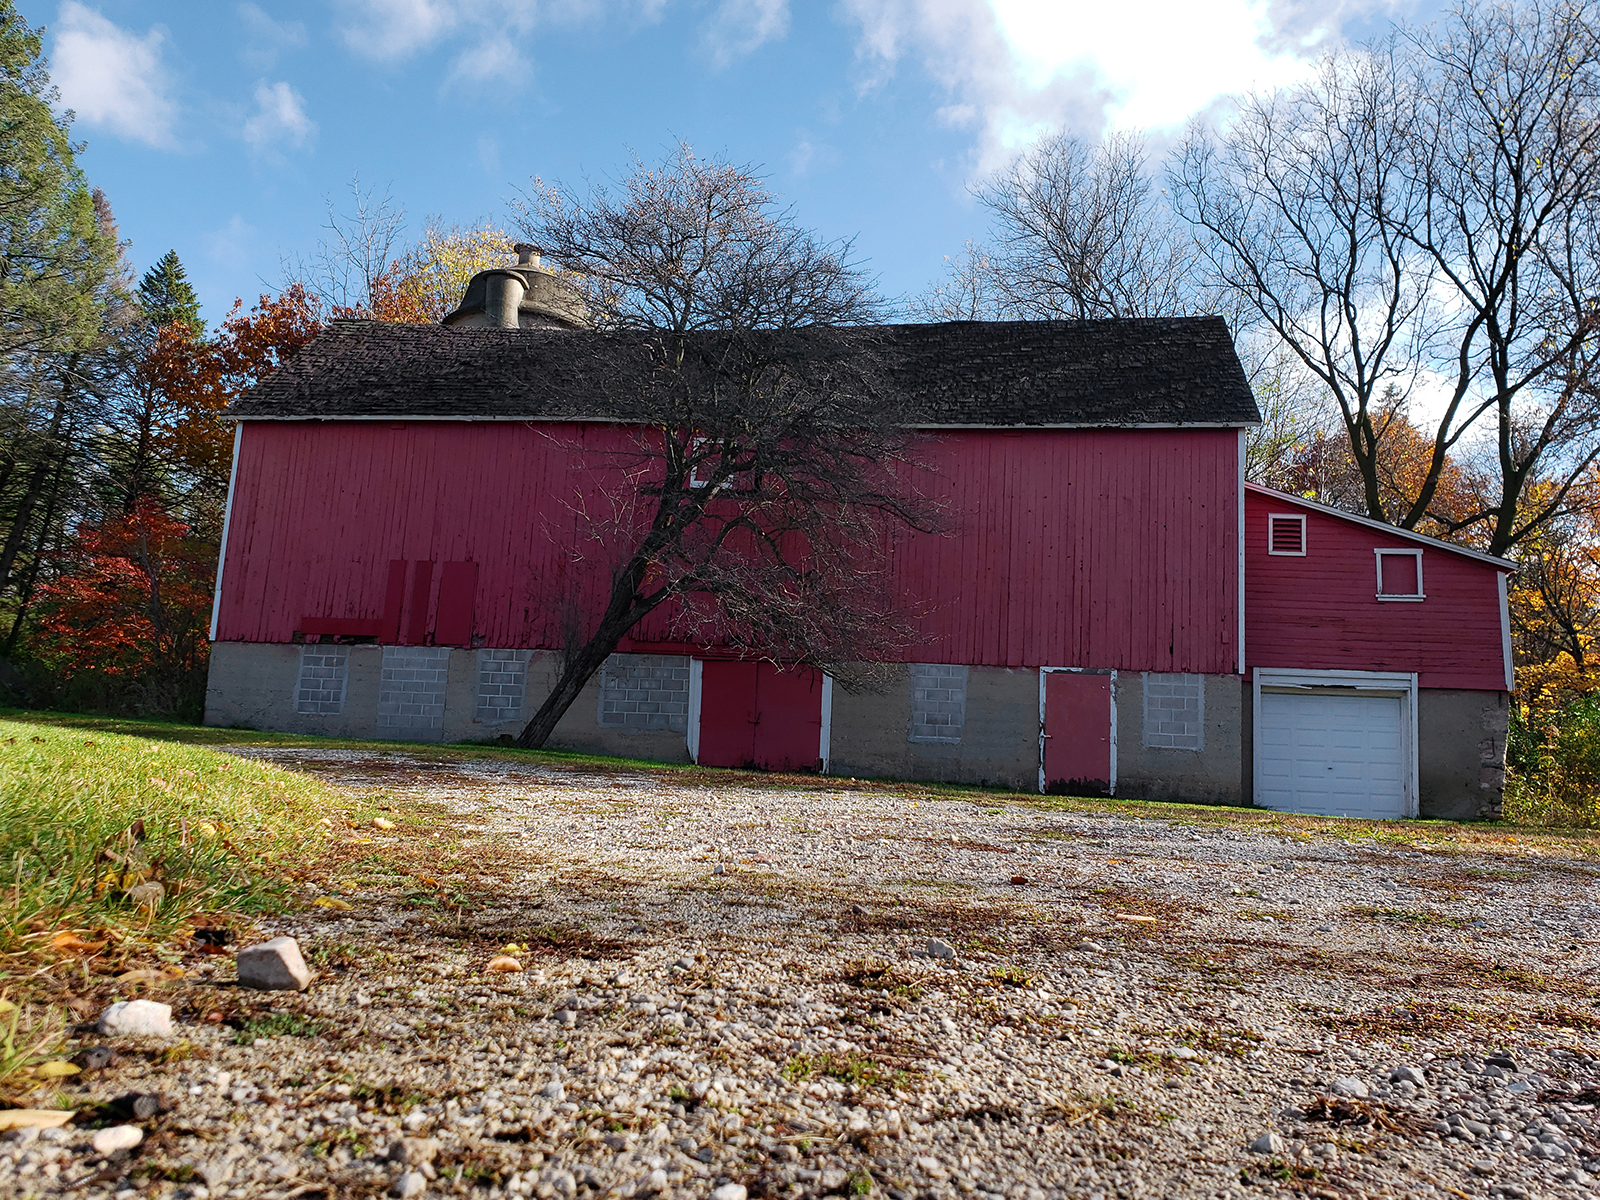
point(132, 599)
point(198, 377)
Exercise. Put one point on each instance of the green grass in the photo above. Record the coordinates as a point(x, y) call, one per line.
point(110, 840)
point(279, 1024)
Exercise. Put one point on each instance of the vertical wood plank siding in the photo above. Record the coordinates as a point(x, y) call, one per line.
point(1322, 612)
point(1097, 548)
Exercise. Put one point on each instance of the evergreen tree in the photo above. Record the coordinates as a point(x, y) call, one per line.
point(166, 296)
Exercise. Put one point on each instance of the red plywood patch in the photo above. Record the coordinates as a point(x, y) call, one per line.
point(458, 589)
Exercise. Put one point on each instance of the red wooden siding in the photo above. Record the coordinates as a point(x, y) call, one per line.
point(1322, 611)
point(1098, 548)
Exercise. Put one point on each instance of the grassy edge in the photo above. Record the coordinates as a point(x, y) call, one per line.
point(1501, 837)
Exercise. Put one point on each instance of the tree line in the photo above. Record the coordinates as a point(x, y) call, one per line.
point(1404, 244)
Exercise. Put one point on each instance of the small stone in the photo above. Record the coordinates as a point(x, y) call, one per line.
point(136, 1018)
point(860, 910)
point(719, 869)
point(117, 1137)
point(1548, 1151)
point(1020, 880)
point(565, 1017)
point(1350, 1087)
point(943, 951)
point(1325, 928)
point(414, 1120)
point(408, 1184)
point(382, 823)
point(1411, 1075)
point(95, 1058)
point(274, 966)
point(414, 1152)
point(1484, 1166)
point(1519, 1087)
point(503, 964)
point(1504, 1061)
point(730, 1191)
point(833, 1178)
point(1267, 1143)
point(553, 1091)
point(638, 927)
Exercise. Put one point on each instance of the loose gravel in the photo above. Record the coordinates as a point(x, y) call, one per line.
point(748, 991)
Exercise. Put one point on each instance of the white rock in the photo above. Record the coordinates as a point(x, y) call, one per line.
point(1408, 1075)
point(117, 1137)
point(656, 1181)
point(408, 1184)
point(1267, 1143)
point(1350, 1087)
point(274, 966)
point(730, 1191)
point(553, 1092)
point(941, 950)
point(137, 1018)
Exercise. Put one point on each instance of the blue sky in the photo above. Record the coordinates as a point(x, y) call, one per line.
point(219, 128)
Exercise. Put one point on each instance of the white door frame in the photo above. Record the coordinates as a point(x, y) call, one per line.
point(1111, 784)
point(825, 739)
point(1365, 683)
point(691, 736)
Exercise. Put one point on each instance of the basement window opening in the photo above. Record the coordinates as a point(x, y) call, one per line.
point(1400, 575)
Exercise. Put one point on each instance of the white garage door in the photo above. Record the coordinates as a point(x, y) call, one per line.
point(1337, 756)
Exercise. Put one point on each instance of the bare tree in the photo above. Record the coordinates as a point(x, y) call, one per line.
point(1300, 211)
point(1082, 232)
point(1506, 150)
point(358, 250)
point(1426, 209)
point(969, 292)
point(768, 473)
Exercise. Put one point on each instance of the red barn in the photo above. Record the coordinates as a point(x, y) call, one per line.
point(398, 557)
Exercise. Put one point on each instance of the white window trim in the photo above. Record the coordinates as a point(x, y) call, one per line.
point(1505, 635)
point(1111, 784)
point(825, 739)
point(1403, 598)
point(227, 519)
point(1301, 517)
point(1372, 683)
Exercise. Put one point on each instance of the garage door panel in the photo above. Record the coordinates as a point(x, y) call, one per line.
point(1332, 755)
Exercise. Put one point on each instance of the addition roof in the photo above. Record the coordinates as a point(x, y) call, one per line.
point(1160, 371)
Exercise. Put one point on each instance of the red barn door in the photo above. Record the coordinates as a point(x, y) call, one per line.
point(1078, 737)
point(757, 715)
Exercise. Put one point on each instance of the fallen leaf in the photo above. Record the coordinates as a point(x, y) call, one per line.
point(34, 1118)
point(428, 879)
point(511, 948)
point(382, 823)
point(6, 1006)
point(332, 902)
point(69, 942)
point(1019, 880)
point(57, 1069)
point(146, 975)
point(503, 964)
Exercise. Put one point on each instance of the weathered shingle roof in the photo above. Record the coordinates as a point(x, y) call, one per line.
point(1152, 371)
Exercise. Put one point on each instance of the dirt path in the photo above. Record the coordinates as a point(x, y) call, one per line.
point(733, 988)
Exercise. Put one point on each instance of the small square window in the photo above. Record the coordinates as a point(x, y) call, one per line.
point(1286, 534)
point(1399, 574)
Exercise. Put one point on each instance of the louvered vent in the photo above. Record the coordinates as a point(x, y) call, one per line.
point(1286, 534)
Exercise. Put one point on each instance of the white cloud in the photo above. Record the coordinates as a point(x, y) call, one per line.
point(1012, 69)
point(397, 29)
point(740, 27)
point(265, 38)
point(233, 243)
point(810, 156)
point(280, 119)
point(111, 78)
point(502, 31)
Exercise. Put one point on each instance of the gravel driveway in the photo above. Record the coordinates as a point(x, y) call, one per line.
point(745, 990)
